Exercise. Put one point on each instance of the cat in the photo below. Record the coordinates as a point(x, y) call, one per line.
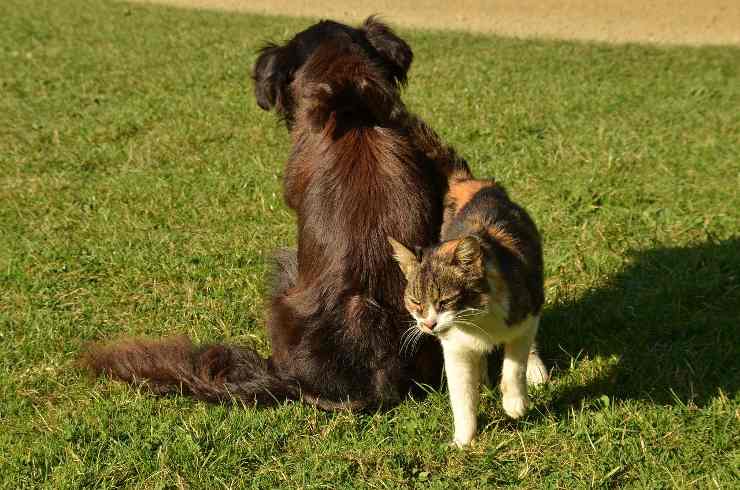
point(482, 286)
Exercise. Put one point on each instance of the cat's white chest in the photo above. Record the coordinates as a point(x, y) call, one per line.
point(482, 333)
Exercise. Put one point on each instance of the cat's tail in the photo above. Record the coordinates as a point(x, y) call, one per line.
point(215, 373)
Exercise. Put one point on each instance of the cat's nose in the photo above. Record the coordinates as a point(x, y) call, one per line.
point(430, 324)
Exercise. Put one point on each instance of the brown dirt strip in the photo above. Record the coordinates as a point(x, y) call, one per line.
point(689, 22)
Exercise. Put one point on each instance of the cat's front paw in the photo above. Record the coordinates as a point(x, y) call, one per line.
point(515, 406)
point(461, 443)
point(463, 436)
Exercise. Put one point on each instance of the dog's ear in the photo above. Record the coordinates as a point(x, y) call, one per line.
point(271, 75)
point(391, 48)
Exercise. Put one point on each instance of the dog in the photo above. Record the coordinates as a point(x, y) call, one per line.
point(361, 168)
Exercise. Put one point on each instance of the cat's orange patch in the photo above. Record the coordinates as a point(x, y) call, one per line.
point(448, 247)
point(461, 192)
point(506, 240)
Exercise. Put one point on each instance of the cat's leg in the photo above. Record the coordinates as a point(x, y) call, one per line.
point(537, 373)
point(485, 377)
point(463, 368)
point(514, 373)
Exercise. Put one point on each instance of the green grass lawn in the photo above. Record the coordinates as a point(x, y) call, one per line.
point(140, 193)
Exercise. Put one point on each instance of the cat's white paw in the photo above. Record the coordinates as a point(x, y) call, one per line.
point(515, 406)
point(536, 371)
point(461, 442)
point(463, 436)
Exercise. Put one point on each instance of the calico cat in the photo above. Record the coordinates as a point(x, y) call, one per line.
point(482, 286)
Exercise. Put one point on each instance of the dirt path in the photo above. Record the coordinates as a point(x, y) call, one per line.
point(690, 22)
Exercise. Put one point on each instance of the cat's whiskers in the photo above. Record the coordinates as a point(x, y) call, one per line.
point(470, 315)
point(472, 311)
point(466, 318)
point(410, 340)
point(417, 340)
point(470, 324)
point(469, 312)
point(406, 338)
point(459, 320)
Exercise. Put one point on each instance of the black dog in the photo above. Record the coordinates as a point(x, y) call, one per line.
point(362, 168)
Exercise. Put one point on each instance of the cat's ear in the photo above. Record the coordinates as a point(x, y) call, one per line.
point(407, 259)
point(468, 252)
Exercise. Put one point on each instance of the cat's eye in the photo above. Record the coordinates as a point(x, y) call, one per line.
point(414, 302)
point(449, 300)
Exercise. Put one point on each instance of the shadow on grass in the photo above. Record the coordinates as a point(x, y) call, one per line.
point(672, 318)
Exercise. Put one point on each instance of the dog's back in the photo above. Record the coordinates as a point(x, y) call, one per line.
point(353, 184)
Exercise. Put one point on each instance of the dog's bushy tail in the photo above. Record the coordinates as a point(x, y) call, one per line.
point(215, 373)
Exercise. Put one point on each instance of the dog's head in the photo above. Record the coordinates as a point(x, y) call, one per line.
point(332, 67)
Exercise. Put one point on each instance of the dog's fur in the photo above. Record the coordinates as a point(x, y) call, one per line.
point(361, 168)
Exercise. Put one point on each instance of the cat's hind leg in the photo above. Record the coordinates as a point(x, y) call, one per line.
point(485, 376)
point(537, 373)
point(514, 372)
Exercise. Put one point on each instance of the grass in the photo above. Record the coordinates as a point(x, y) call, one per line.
point(140, 193)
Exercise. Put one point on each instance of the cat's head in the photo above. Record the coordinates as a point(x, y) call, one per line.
point(446, 283)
